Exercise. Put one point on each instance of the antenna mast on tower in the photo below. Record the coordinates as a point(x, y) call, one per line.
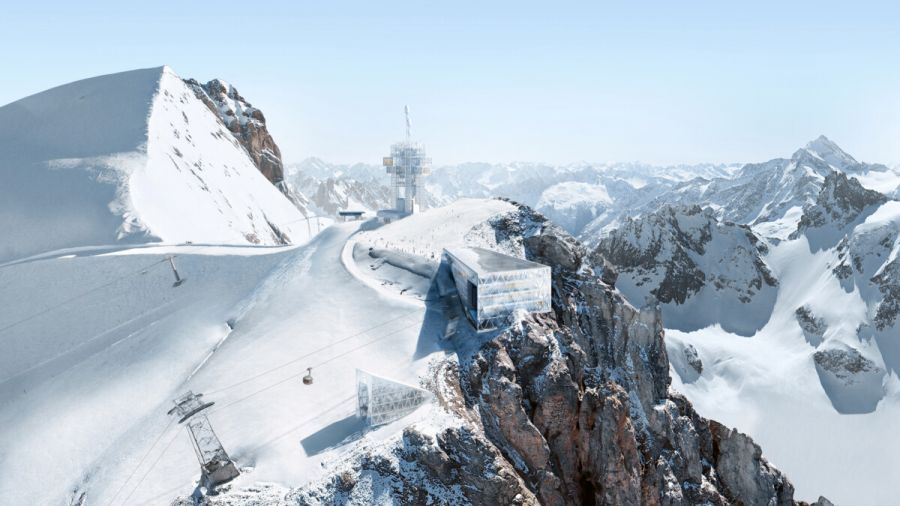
point(408, 122)
point(406, 166)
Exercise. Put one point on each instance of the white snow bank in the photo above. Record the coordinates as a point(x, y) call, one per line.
point(130, 157)
point(401, 258)
point(91, 366)
point(427, 233)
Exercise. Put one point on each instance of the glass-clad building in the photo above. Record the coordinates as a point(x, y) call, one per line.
point(380, 400)
point(492, 285)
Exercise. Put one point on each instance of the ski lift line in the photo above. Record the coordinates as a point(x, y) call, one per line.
point(309, 354)
point(297, 427)
point(94, 337)
point(82, 294)
point(314, 366)
point(152, 466)
point(171, 491)
point(300, 425)
point(141, 462)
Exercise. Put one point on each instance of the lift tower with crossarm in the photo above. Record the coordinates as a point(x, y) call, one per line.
point(215, 466)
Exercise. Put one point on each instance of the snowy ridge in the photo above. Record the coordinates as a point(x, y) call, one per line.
point(822, 341)
point(85, 163)
point(703, 270)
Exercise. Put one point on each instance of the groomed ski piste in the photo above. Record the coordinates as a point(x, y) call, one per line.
point(109, 343)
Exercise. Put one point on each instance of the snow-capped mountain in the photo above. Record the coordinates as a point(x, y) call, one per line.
point(248, 125)
point(763, 326)
point(768, 196)
point(86, 163)
point(573, 195)
point(573, 205)
point(841, 204)
point(329, 188)
point(330, 195)
point(703, 270)
point(824, 342)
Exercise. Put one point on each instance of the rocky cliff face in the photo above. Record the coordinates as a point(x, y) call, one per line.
point(571, 407)
point(841, 204)
point(248, 125)
point(684, 256)
point(868, 260)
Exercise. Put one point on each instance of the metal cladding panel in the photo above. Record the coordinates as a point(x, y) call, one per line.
point(503, 284)
point(380, 400)
point(501, 294)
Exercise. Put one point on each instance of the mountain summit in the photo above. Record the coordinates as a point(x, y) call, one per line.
point(130, 157)
point(831, 153)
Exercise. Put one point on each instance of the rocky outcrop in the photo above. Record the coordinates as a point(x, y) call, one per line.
point(852, 381)
point(888, 282)
point(869, 261)
point(569, 407)
point(579, 401)
point(683, 256)
point(457, 466)
point(813, 327)
point(842, 202)
point(248, 125)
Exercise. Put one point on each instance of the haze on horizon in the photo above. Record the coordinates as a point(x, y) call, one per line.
point(525, 81)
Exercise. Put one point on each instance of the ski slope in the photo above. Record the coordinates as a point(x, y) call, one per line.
point(101, 350)
point(130, 158)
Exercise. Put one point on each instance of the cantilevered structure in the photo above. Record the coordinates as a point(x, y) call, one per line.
point(491, 285)
point(381, 400)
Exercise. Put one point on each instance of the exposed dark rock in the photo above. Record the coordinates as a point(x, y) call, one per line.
point(842, 201)
point(693, 358)
point(570, 407)
point(248, 125)
point(852, 382)
point(579, 402)
point(844, 364)
point(813, 327)
point(888, 282)
point(665, 248)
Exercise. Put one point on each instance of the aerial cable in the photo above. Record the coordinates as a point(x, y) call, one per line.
point(141, 462)
point(311, 353)
point(152, 466)
point(142, 270)
point(317, 365)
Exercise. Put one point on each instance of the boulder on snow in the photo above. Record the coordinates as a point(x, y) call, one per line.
point(813, 327)
point(852, 381)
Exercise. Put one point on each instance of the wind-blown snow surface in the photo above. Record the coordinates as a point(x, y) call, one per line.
point(95, 362)
point(128, 158)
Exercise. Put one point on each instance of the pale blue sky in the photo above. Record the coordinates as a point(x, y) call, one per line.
point(661, 82)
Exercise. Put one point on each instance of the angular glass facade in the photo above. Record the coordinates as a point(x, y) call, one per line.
point(491, 285)
point(380, 400)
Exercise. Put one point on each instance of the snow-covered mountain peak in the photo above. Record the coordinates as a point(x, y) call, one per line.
point(842, 203)
point(826, 150)
point(702, 270)
point(86, 163)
